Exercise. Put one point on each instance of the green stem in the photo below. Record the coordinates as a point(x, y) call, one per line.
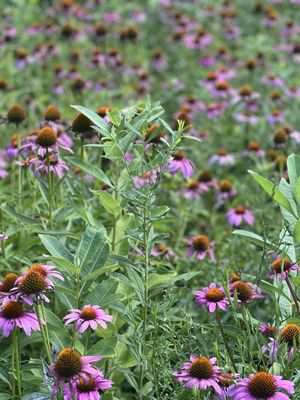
point(18, 362)
point(13, 381)
point(49, 188)
point(44, 337)
point(228, 349)
point(292, 291)
point(45, 327)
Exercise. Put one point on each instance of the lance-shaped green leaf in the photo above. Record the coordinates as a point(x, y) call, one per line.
point(272, 191)
point(93, 250)
point(56, 248)
point(108, 202)
point(293, 167)
point(256, 239)
point(297, 232)
point(95, 118)
point(89, 169)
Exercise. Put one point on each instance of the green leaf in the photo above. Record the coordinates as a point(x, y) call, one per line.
point(37, 396)
point(95, 118)
point(272, 191)
point(104, 293)
point(104, 347)
point(53, 320)
point(254, 238)
point(293, 167)
point(56, 248)
point(93, 250)
point(22, 218)
point(160, 279)
point(297, 232)
point(89, 169)
point(108, 202)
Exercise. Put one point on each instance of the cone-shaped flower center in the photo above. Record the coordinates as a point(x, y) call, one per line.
point(290, 334)
point(192, 185)
point(240, 209)
point(8, 282)
point(16, 114)
point(40, 269)
point(280, 265)
point(222, 152)
point(179, 155)
point(201, 368)
point(205, 176)
point(222, 85)
point(225, 186)
point(32, 283)
point(88, 313)
point(262, 385)
point(46, 137)
point(245, 90)
point(81, 124)
point(215, 295)
point(52, 113)
point(242, 289)
point(280, 136)
point(85, 386)
point(162, 247)
point(68, 363)
point(200, 243)
point(253, 146)
point(12, 309)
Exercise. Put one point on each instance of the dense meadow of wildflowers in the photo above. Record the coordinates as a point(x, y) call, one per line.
point(150, 200)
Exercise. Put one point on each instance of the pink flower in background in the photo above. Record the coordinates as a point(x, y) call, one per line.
point(200, 373)
point(236, 216)
point(213, 297)
point(88, 317)
point(147, 178)
point(222, 158)
point(163, 251)
point(180, 162)
point(200, 246)
point(261, 386)
point(281, 267)
point(13, 315)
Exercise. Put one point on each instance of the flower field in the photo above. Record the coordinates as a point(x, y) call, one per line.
point(150, 200)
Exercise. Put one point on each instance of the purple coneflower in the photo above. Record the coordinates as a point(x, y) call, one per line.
point(88, 317)
point(222, 158)
point(200, 373)
point(162, 251)
point(261, 385)
point(212, 297)
point(69, 366)
point(13, 315)
point(225, 191)
point(239, 214)
point(281, 268)
point(87, 387)
point(180, 162)
point(30, 287)
point(244, 291)
point(201, 246)
point(146, 179)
